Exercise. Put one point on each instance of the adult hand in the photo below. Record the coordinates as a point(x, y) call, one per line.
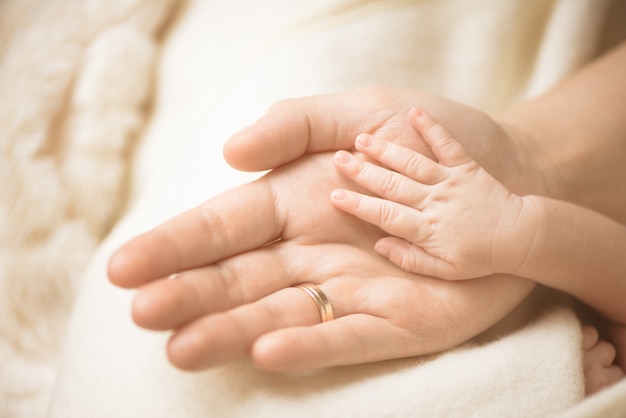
point(240, 253)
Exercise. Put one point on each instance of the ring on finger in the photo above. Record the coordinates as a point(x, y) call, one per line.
point(320, 299)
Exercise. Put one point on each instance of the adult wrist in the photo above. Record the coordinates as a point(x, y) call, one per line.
point(532, 169)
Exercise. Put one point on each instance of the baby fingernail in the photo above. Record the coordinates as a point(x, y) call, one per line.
point(382, 249)
point(338, 194)
point(342, 157)
point(417, 112)
point(364, 140)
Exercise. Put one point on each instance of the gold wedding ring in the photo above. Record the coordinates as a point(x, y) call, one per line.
point(320, 299)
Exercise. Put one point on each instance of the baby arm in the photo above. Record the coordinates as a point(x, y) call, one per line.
point(451, 219)
point(580, 252)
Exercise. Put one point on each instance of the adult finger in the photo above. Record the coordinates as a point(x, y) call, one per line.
point(239, 280)
point(226, 336)
point(294, 127)
point(235, 221)
point(420, 319)
point(289, 129)
point(216, 339)
point(170, 304)
point(354, 339)
point(389, 317)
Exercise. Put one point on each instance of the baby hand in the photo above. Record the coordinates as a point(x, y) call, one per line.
point(448, 219)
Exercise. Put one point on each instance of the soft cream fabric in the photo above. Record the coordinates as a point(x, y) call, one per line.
point(222, 64)
point(75, 80)
point(610, 403)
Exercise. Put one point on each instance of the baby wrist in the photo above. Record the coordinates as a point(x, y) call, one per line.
point(515, 244)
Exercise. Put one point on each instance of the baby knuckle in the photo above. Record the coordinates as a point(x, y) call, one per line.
point(409, 262)
point(387, 214)
point(413, 163)
point(437, 132)
point(390, 184)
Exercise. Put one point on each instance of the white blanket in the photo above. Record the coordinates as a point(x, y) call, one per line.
point(222, 64)
point(75, 81)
